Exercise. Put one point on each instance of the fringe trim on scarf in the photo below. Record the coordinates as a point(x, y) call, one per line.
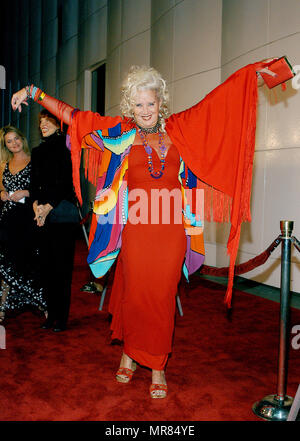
point(91, 164)
point(91, 159)
point(244, 208)
point(217, 205)
point(75, 156)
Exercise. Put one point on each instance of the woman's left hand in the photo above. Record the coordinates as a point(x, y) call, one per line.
point(260, 81)
point(41, 212)
point(18, 195)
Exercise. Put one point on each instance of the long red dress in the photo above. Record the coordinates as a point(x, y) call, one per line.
point(149, 266)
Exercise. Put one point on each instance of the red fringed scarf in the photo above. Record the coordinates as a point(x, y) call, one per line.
point(216, 139)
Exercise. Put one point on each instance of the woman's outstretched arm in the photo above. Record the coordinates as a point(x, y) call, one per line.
point(58, 108)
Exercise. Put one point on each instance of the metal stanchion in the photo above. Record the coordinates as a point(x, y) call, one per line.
point(83, 226)
point(276, 407)
point(90, 286)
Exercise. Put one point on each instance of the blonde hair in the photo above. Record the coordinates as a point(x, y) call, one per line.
point(144, 78)
point(5, 154)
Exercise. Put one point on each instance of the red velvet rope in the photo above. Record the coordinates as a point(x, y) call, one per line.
point(296, 243)
point(243, 267)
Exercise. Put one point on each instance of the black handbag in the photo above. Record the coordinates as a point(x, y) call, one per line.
point(64, 212)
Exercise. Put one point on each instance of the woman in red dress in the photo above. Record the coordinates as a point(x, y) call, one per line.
point(216, 139)
point(149, 266)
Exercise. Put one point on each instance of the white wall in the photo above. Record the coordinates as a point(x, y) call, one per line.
point(128, 43)
point(254, 30)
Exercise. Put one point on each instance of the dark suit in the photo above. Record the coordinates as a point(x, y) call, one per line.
point(51, 183)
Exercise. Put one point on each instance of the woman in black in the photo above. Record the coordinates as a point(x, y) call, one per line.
point(51, 184)
point(19, 287)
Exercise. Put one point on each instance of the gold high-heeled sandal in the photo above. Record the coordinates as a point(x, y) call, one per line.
point(158, 391)
point(124, 375)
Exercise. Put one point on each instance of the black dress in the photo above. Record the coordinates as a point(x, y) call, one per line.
point(51, 183)
point(18, 253)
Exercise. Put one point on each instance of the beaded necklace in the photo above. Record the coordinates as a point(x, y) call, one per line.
point(162, 151)
point(153, 129)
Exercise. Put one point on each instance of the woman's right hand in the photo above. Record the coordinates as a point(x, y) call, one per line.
point(41, 212)
point(4, 196)
point(18, 99)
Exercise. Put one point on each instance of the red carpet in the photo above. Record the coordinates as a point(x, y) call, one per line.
point(218, 369)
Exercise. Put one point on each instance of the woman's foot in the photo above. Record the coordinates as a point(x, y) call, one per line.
point(158, 388)
point(47, 324)
point(126, 369)
point(43, 311)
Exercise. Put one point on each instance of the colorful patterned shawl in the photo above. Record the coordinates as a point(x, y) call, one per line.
point(110, 211)
point(215, 140)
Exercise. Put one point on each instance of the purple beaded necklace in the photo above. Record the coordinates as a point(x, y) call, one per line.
point(162, 151)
